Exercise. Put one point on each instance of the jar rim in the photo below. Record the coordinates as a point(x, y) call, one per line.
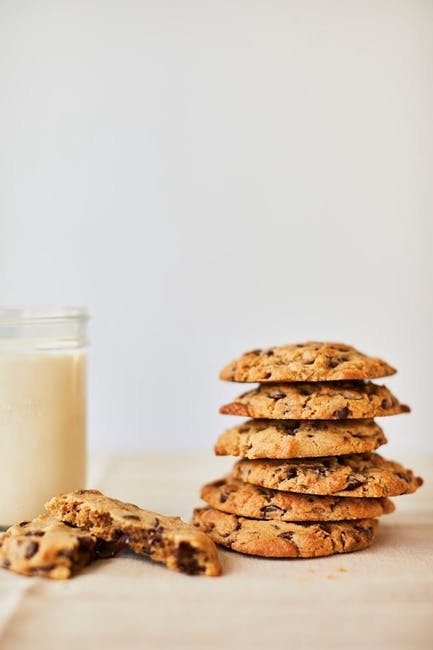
point(23, 315)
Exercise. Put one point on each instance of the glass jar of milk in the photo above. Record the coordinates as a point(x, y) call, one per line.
point(42, 408)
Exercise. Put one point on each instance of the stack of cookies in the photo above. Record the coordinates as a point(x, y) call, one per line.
point(309, 482)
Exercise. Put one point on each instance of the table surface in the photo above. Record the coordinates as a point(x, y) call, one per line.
point(382, 596)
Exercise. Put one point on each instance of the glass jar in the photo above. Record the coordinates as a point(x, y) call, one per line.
point(42, 408)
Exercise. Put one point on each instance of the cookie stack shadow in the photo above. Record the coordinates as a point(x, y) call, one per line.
point(309, 482)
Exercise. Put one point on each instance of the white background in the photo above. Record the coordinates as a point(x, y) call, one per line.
point(212, 176)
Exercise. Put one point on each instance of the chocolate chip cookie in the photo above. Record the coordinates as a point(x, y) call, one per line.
point(164, 539)
point(311, 361)
point(338, 400)
point(255, 502)
point(49, 548)
point(299, 438)
point(282, 539)
point(357, 475)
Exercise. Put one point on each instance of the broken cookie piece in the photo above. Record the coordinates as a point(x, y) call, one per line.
point(49, 548)
point(168, 540)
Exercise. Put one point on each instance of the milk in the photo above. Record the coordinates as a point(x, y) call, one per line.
point(42, 429)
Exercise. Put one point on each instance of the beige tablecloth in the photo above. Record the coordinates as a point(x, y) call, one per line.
point(380, 598)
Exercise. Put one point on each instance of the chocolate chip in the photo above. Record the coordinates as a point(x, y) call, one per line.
point(224, 496)
point(121, 537)
point(268, 510)
point(342, 414)
point(353, 483)
point(332, 363)
point(23, 523)
point(326, 528)
point(266, 492)
point(384, 404)
point(154, 536)
point(267, 375)
point(105, 549)
point(279, 395)
point(359, 528)
point(65, 552)
point(132, 517)
point(6, 563)
point(35, 533)
point(288, 428)
point(31, 550)
point(291, 473)
point(343, 538)
point(369, 531)
point(288, 535)
point(257, 351)
point(86, 544)
point(320, 471)
point(186, 559)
